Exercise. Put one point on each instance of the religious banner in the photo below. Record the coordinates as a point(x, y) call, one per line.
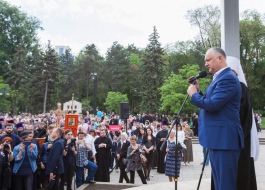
point(71, 122)
point(41, 141)
point(115, 128)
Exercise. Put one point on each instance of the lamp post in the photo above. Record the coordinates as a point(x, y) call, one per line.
point(133, 95)
point(94, 77)
point(4, 91)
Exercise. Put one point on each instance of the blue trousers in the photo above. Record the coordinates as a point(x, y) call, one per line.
point(204, 155)
point(224, 165)
point(92, 168)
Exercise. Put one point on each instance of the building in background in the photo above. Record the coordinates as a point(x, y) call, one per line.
point(61, 49)
point(77, 106)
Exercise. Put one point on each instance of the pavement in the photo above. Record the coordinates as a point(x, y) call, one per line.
point(190, 175)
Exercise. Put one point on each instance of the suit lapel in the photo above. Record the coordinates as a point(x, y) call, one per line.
point(212, 84)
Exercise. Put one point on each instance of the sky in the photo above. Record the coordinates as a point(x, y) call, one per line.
point(77, 23)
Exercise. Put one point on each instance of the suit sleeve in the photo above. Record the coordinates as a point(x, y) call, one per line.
point(54, 156)
point(222, 93)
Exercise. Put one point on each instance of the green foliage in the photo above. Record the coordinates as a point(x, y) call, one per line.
point(134, 59)
point(252, 49)
point(65, 84)
point(86, 105)
point(180, 54)
point(87, 62)
point(174, 90)
point(113, 99)
point(152, 74)
point(16, 28)
point(207, 20)
point(5, 87)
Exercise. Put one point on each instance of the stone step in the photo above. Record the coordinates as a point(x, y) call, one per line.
point(106, 186)
point(195, 140)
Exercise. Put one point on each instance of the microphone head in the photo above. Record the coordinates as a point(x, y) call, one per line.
point(202, 74)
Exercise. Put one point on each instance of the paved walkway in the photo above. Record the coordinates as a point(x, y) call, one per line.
point(189, 175)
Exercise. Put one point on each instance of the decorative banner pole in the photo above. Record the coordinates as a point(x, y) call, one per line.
point(72, 107)
point(59, 112)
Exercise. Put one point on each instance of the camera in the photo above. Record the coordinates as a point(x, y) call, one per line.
point(6, 148)
point(27, 143)
point(71, 144)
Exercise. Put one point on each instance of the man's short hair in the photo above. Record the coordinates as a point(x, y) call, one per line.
point(8, 125)
point(51, 127)
point(219, 51)
point(59, 131)
point(80, 133)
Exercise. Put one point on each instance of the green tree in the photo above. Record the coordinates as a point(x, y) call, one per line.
point(174, 90)
point(66, 77)
point(113, 99)
point(35, 88)
point(7, 104)
point(86, 105)
point(207, 20)
point(252, 52)
point(152, 74)
point(17, 70)
point(87, 62)
point(117, 62)
point(16, 28)
point(44, 80)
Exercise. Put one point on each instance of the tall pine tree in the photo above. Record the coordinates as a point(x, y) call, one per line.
point(152, 74)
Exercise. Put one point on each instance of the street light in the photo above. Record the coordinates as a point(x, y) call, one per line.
point(94, 77)
point(133, 91)
point(4, 91)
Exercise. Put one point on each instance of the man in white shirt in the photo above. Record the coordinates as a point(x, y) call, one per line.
point(84, 124)
point(89, 141)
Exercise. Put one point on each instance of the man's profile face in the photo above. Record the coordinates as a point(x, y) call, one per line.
point(30, 137)
point(54, 134)
point(211, 61)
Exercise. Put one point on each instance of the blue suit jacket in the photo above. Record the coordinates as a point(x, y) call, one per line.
point(55, 158)
point(219, 121)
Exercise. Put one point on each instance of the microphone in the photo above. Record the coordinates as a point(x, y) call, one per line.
point(202, 74)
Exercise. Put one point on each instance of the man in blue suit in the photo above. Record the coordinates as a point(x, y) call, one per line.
point(219, 122)
point(55, 166)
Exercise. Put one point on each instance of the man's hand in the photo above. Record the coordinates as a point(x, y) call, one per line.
point(73, 148)
point(102, 145)
point(49, 146)
point(31, 146)
point(52, 177)
point(192, 90)
point(21, 147)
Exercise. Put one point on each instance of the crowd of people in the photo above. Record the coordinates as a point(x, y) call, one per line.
point(226, 126)
point(37, 153)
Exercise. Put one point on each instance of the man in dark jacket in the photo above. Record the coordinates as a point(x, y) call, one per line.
point(55, 159)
